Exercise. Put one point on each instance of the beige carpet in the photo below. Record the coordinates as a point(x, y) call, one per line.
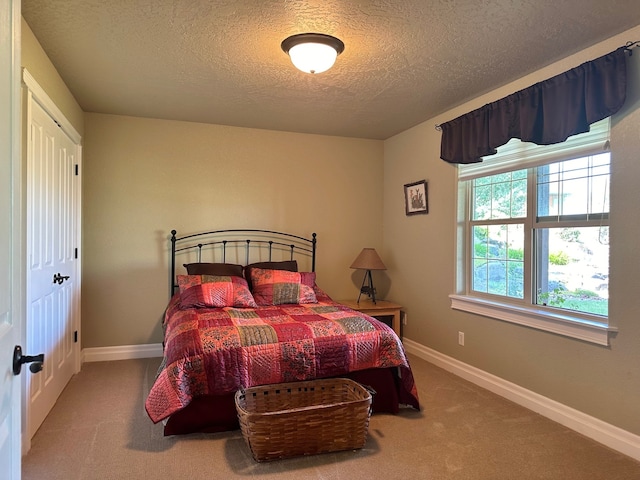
point(99, 430)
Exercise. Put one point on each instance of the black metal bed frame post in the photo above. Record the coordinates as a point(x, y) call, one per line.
point(313, 250)
point(173, 264)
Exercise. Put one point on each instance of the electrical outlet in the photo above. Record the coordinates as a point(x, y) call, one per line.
point(404, 318)
point(461, 339)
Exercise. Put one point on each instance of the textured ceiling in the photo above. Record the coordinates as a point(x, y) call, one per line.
point(220, 61)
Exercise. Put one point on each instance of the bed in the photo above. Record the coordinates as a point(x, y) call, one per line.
point(245, 310)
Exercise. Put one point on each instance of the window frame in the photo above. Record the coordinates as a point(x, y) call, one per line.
point(583, 326)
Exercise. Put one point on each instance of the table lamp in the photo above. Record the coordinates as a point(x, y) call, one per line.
point(368, 260)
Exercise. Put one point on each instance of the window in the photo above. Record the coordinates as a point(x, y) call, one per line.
point(534, 241)
point(498, 214)
point(571, 242)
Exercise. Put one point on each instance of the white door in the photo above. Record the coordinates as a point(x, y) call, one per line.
point(10, 268)
point(52, 273)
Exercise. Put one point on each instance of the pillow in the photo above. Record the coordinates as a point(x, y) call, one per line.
point(213, 269)
point(321, 295)
point(276, 287)
point(288, 265)
point(214, 291)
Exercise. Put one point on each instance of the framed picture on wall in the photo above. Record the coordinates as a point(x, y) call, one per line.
point(415, 198)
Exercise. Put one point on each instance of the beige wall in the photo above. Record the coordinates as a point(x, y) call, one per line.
point(144, 177)
point(601, 381)
point(35, 60)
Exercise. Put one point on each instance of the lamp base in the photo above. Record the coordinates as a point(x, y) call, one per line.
point(367, 287)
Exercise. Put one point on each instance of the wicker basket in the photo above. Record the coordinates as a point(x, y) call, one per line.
point(303, 418)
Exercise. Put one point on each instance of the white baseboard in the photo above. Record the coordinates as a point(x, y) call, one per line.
point(123, 352)
point(602, 432)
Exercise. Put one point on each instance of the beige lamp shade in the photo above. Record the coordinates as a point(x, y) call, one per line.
point(368, 260)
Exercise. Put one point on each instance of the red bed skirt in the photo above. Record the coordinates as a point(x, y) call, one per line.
point(218, 413)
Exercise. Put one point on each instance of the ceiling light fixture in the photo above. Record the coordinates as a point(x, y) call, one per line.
point(312, 52)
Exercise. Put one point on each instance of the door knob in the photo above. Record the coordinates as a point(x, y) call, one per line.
point(57, 278)
point(36, 361)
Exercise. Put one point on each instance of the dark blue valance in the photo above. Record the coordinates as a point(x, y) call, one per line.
point(545, 113)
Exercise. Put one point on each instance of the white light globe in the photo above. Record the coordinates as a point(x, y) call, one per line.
point(313, 57)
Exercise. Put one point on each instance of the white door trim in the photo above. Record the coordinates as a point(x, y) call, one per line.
point(45, 101)
point(11, 242)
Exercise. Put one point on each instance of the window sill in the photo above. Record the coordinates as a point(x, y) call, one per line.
point(541, 319)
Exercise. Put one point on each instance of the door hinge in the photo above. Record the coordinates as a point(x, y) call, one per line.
point(76, 168)
point(75, 336)
point(75, 252)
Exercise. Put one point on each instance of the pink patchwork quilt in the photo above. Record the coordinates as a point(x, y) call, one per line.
point(217, 351)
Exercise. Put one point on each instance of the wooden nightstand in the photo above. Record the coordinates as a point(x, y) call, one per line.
point(381, 308)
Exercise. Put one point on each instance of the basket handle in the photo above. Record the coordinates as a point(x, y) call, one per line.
point(370, 389)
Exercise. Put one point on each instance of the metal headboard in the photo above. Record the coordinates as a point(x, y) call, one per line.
point(248, 239)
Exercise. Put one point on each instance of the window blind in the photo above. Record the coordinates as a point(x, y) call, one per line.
point(517, 154)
